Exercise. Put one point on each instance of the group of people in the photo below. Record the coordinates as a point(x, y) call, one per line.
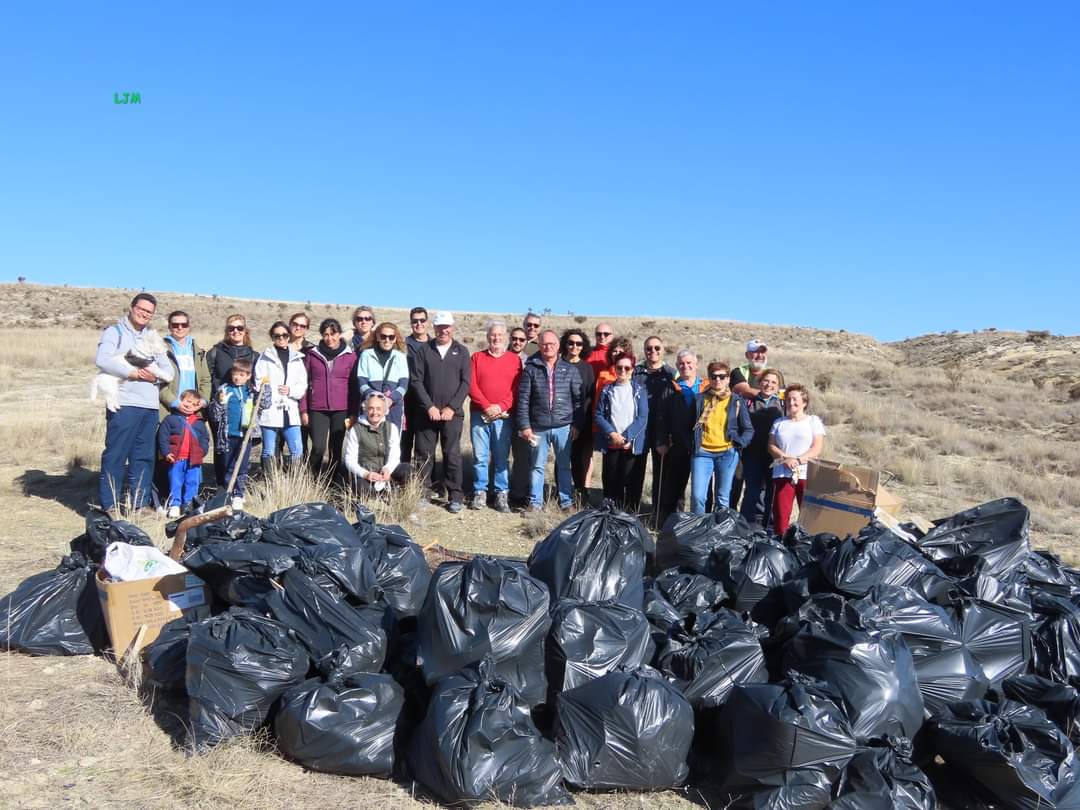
point(373, 409)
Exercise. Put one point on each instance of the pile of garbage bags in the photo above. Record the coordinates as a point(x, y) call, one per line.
point(889, 669)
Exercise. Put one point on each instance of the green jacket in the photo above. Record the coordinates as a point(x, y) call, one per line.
point(168, 392)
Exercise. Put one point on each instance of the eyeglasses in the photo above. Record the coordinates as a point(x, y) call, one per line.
point(297, 325)
point(360, 318)
point(279, 335)
point(390, 336)
point(236, 328)
point(179, 325)
point(718, 376)
point(575, 343)
point(603, 334)
point(144, 310)
point(419, 320)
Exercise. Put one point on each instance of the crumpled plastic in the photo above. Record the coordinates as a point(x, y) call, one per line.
point(750, 570)
point(877, 557)
point(882, 775)
point(486, 607)
point(626, 730)
point(478, 742)
point(995, 532)
point(687, 540)
point(590, 639)
point(872, 675)
point(238, 664)
point(323, 624)
point(709, 654)
point(596, 555)
point(102, 530)
point(55, 612)
point(308, 524)
point(688, 592)
point(998, 636)
point(346, 724)
point(342, 570)
point(1060, 701)
point(166, 655)
point(1056, 640)
point(401, 572)
point(1008, 754)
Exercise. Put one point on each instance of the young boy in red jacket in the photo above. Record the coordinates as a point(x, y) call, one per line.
point(184, 441)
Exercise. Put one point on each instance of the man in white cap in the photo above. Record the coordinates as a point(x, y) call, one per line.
point(745, 378)
point(440, 377)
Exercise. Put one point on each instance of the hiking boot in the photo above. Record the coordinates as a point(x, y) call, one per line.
point(478, 501)
point(174, 512)
point(454, 507)
point(502, 502)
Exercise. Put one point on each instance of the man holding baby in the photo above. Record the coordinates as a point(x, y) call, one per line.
point(130, 430)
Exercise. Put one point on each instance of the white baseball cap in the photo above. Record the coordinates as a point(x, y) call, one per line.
point(443, 319)
point(756, 346)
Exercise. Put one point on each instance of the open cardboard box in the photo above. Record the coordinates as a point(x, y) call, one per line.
point(152, 603)
point(842, 498)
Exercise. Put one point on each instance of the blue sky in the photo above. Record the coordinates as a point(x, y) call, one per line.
point(890, 168)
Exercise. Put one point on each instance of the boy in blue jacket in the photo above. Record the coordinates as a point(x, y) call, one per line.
point(233, 411)
point(184, 441)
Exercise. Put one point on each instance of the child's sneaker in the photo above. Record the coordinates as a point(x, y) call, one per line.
point(238, 504)
point(174, 512)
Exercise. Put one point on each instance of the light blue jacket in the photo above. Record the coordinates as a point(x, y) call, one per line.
point(115, 342)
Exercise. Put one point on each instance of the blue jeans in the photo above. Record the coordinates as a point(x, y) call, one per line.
point(185, 479)
point(128, 456)
point(560, 438)
point(718, 467)
point(292, 439)
point(757, 491)
point(490, 439)
point(232, 458)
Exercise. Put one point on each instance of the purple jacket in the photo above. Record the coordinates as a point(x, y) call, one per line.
point(329, 382)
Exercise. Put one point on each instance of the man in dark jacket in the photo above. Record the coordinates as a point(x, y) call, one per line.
point(656, 377)
point(675, 434)
point(417, 339)
point(550, 411)
point(440, 378)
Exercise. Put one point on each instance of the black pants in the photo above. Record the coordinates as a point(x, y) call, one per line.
point(676, 476)
point(623, 475)
point(327, 432)
point(448, 434)
point(520, 469)
point(413, 413)
point(580, 452)
point(220, 453)
point(365, 489)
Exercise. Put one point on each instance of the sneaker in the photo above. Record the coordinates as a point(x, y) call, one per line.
point(502, 502)
point(453, 507)
point(478, 501)
point(174, 512)
point(238, 504)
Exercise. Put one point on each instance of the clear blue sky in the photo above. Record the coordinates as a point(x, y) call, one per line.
point(891, 168)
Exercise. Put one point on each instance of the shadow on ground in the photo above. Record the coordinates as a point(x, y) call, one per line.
point(74, 489)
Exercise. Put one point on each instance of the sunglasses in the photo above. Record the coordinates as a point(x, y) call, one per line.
point(653, 348)
point(603, 334)
point(388, 337)
point(279, 335)
point(517, 340)
point(623, 369)
point(295, 325)
point(419, 320)
point(179, 325)
point(236, 328)
point(718, 376)
point(574, 343)
point(362, 318)
point(532, 326)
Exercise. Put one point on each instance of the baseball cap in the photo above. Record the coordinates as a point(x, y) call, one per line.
point(443, 319)
point(756, 346)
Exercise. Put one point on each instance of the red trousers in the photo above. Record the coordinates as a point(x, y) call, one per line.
point(784, 492)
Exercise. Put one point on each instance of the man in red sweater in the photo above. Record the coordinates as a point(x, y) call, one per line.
point(598, 358)
point(495, 373)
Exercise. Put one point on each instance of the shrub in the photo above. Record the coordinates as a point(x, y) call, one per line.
point(1074, 392)
point(823, 381)
point(580, 318)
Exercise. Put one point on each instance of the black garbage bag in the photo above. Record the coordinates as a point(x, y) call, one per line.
point(709, 654)
point(781, 745)
point(101, 530)
point(876, 556)
point(749, 571)
point(55, 612)
point(590, 639)
point(1012, 592)
point(1007, 754)
point(238, 664)
point(882, 775)
point(401, 572)
point(1044, 572)
point(346, 724)
point(239, 573)
point(596, 555)
point(687, 540)
point(478, 742)
point(309, 524)
point(239, 527)
point(688, 592)
point(946, 669)
point(486, 607)
point(342, 570)
point(323, 624)
point(995, 532)
point(998, 636)
point(1060, 701)
point(1056, 638)
point(626, 730)
point(166, 656)
point(871, 674)
point(658, 610)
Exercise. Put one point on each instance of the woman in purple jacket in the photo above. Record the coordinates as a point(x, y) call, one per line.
point(330, 397)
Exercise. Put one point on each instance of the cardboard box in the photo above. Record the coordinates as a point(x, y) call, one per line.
point(842, 498)
point(152, 602)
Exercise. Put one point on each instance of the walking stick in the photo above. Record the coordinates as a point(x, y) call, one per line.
point(659, 492)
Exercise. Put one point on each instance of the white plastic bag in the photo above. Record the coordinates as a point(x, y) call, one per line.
point(126, 562)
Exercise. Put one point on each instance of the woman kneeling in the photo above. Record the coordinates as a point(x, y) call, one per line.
point(372, 452)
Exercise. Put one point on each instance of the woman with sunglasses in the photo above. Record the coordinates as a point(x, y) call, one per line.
point(236, 345)
point(622, 416)
point(330, 399)
point(363, 320)
point(574, 348)
point(721, 430)
point(282, 367)
point(383, 368)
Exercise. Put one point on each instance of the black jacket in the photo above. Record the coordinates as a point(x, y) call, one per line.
point(657, 385)
point(441, 382)
point(531, 409)
point(677, 417)
point(219, 360)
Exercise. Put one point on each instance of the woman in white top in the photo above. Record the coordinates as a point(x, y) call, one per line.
point(282, 367)
point(793, 441)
